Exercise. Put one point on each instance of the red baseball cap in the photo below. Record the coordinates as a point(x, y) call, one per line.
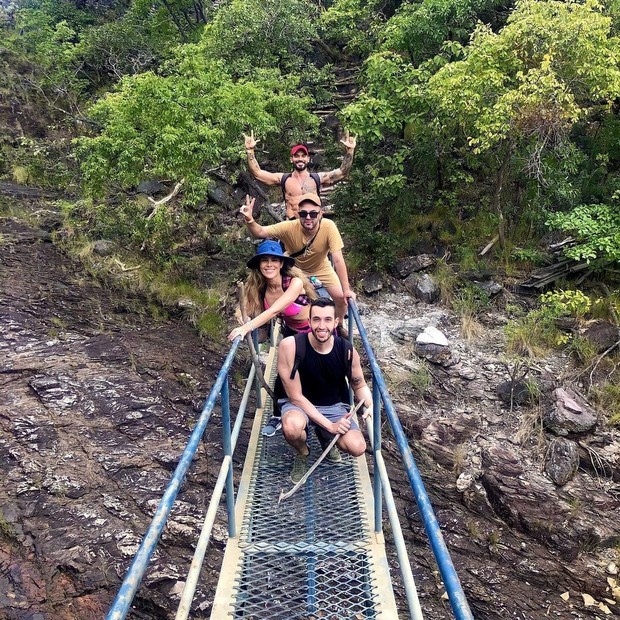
point(299, 147)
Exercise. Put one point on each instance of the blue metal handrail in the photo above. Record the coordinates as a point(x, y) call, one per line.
point(135, 573)
point(456, 596)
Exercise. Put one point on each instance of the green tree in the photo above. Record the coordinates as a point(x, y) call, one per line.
point(354, 25)
point(175, 126)
point(421, 28)
point(254, 34)
point(518, 93)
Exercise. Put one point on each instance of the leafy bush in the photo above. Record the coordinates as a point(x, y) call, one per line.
point(254, 34)
point(537, 331)
point(597, 229)
point(420, 28)
point(175, 126)
point(353, 24)
point(566, 303)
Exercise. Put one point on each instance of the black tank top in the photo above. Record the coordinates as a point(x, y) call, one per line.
point(323, 376)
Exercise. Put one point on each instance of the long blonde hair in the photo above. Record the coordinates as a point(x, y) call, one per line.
point(256, 284)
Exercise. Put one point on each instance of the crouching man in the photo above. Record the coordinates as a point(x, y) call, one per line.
point(314, 369)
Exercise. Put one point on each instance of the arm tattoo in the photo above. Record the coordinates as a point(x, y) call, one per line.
point(251, 157)
point(357, 380)
point(347, 162)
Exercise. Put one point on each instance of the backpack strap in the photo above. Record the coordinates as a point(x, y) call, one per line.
point(285, 177)
point(300, 352)
point(317, 179)
point(307, 246)
point(313, 175)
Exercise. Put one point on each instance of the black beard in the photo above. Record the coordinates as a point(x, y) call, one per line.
point(303, 165)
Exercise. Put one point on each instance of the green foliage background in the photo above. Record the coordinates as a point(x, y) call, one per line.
point(474, 117)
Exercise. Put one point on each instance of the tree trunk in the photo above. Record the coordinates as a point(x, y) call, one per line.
point(176, 21)
point(500, 180)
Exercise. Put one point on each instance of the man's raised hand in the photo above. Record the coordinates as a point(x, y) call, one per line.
point(250, 141)
point(247, 209)
point(349, 141)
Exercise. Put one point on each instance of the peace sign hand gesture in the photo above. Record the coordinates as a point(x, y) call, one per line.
point(250, 141)
point(247, 209)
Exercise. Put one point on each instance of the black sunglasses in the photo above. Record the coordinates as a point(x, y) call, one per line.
point(312, 214)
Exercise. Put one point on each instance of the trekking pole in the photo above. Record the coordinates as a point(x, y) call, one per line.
point(332, 443)
point(253, 354)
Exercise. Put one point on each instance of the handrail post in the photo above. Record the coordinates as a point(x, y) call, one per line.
point(349, 322)
point(230, 489)
point(258, 385)
point(376, 447)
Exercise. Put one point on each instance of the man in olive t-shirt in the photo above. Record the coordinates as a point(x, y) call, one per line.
point(316, 237)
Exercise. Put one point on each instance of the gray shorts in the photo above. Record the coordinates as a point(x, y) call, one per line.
point(332, 412)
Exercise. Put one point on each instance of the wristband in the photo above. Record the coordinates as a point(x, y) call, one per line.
point(249, 221)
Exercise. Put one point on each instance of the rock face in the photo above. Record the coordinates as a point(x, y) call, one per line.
point(96, 405)
point(514, 392)
point(406, 266)
point(423, 287)
point(602, 334)
point(372, 283)
point(97, 402)
point(522, 522)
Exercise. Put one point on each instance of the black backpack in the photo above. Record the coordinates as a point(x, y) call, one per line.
point(314, 175)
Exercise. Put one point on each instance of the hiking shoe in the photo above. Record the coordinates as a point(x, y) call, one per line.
point(272, 427)
point(333, 456)
point(300, 467)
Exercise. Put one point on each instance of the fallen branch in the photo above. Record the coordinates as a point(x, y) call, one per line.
point(489, 245)
point(158, 203)
point(600, 358)
point(125, 269)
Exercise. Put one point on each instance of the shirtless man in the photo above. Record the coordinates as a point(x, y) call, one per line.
point(300, 181)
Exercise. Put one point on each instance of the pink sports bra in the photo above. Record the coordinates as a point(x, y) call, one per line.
point(292, 309)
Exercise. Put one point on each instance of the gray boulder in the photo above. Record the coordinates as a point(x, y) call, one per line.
point(150, 187)
point(602, 334)
point(104, 247)
point(569, 413)
point(372, 283)
point(562, 460)
point(407, 266)
point(424, 287)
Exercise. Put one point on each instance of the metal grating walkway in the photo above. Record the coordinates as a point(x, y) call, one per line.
point(315, 555)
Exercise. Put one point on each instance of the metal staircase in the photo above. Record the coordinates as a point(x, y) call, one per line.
point(318, 555)
point(313, 553)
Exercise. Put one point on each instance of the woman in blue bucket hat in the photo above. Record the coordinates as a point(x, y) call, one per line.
point(275, 287)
